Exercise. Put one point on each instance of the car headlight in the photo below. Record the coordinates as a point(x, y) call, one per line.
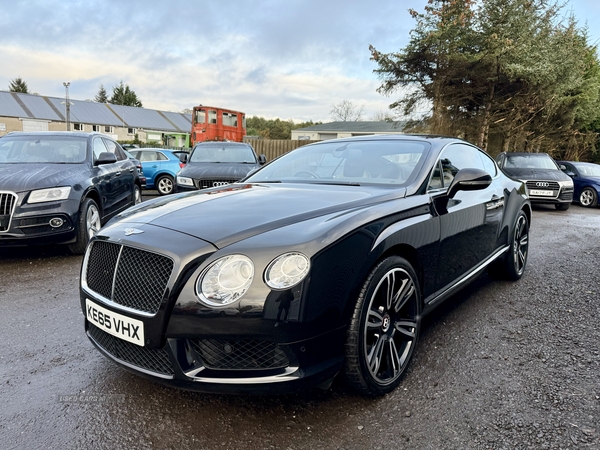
point(566, 183)
point(184, 181)
point(49, 195)
point(287, 270)
point(226, 280)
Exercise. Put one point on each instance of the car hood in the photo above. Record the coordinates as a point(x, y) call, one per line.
point(26, 177)
point(537, 174)
point(230, 214)
point(228, 171)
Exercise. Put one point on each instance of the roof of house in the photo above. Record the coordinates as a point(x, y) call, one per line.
point(28, 106)
point(357, 127)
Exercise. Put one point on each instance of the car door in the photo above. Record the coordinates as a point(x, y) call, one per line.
point(105, 175)
point(149, 165)
point(470, 222)
point(124, 179)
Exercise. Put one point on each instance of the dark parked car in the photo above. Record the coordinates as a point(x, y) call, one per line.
point(140, 169)
point(586, 178)
point(59, 187)
point(323, 261)
point(160, 168)
point(544, 180)
point(216, 164)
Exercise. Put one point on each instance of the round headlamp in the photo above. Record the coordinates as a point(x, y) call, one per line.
point(225, 281)
point(287, 270)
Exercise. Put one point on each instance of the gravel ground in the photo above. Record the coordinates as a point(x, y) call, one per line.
point(500, 366)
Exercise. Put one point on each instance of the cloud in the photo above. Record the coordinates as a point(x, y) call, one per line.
point(290, 59)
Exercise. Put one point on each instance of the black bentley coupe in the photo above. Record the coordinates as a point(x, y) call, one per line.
point(323, 262)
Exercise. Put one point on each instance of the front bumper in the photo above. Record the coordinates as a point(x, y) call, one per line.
point(41, 223)
point(188, 364)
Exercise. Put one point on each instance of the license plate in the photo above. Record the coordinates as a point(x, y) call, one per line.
point(541, 192)
point(123, 327)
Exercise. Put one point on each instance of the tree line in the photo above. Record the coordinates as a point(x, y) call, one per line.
point(507, 75)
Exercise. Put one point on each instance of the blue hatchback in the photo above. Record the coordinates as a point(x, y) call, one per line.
point(160, 168)
point(586, 178)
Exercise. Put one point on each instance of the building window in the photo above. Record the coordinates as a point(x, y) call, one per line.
point(78, 127)
point(96, 128)
point(130, 130)
point(108, 130)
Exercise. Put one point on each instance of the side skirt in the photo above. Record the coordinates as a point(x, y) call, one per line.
point(438, 297)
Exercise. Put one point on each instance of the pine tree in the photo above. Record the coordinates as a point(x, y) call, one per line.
point(18, 85)
point(124, 95)
point(101, 96)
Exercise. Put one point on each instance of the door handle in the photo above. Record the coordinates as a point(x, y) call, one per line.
point(118, 174)
point(131, 169)
point(495, 202)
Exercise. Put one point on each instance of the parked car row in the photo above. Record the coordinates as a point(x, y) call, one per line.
point(553, 182)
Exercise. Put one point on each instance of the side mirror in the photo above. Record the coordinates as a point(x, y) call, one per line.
point(105, 158)
point(262, 159)
point(469, 180)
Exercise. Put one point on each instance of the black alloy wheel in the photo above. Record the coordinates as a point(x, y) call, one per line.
point(588, 198)
point(384, 328)
point(137, 195)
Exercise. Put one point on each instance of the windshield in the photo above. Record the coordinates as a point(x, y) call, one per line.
point(532, 161)
point(588, 169)
point(360, 162)
point(42, 149)
point(223, 153)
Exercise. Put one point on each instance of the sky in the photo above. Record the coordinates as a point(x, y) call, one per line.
point(289, 59)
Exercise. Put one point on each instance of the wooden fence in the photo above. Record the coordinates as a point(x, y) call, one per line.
point(270, 148)
point(276, 147)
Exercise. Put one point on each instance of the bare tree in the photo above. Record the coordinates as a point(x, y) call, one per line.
point(382, 116)
point(346, 111)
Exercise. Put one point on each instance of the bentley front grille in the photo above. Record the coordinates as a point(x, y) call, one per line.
point(152, 360)
point(128, 276)
point(234, 354)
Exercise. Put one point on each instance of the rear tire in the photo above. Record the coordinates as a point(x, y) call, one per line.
point(588, 198)
point(88, 225)
point(165, 185)
point(137, 195)
point(384, 328)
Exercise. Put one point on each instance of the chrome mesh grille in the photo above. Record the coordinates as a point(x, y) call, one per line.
point(234, 354)
point(548, 185)
point(154, 360)
point(8, 201)
point(203, 184)
point(140, 279)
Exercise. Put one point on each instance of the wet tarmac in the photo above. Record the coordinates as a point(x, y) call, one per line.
point(500, 365)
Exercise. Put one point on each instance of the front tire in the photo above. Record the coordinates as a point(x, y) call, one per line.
point(384, 328)
point(137, 195)
point(165, 185)
point(562, 206)
point(588, 198)
point(88, 225)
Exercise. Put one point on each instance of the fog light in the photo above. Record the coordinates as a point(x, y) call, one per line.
point(56, 222)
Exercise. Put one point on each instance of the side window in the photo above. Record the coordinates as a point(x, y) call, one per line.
point(212, 116)
point(488, 163)
point(161, 157)
point(436, 178)
point(99, 147)
point(456, 157)
point(114, 148)
point(146, 156)
point(201, 115)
